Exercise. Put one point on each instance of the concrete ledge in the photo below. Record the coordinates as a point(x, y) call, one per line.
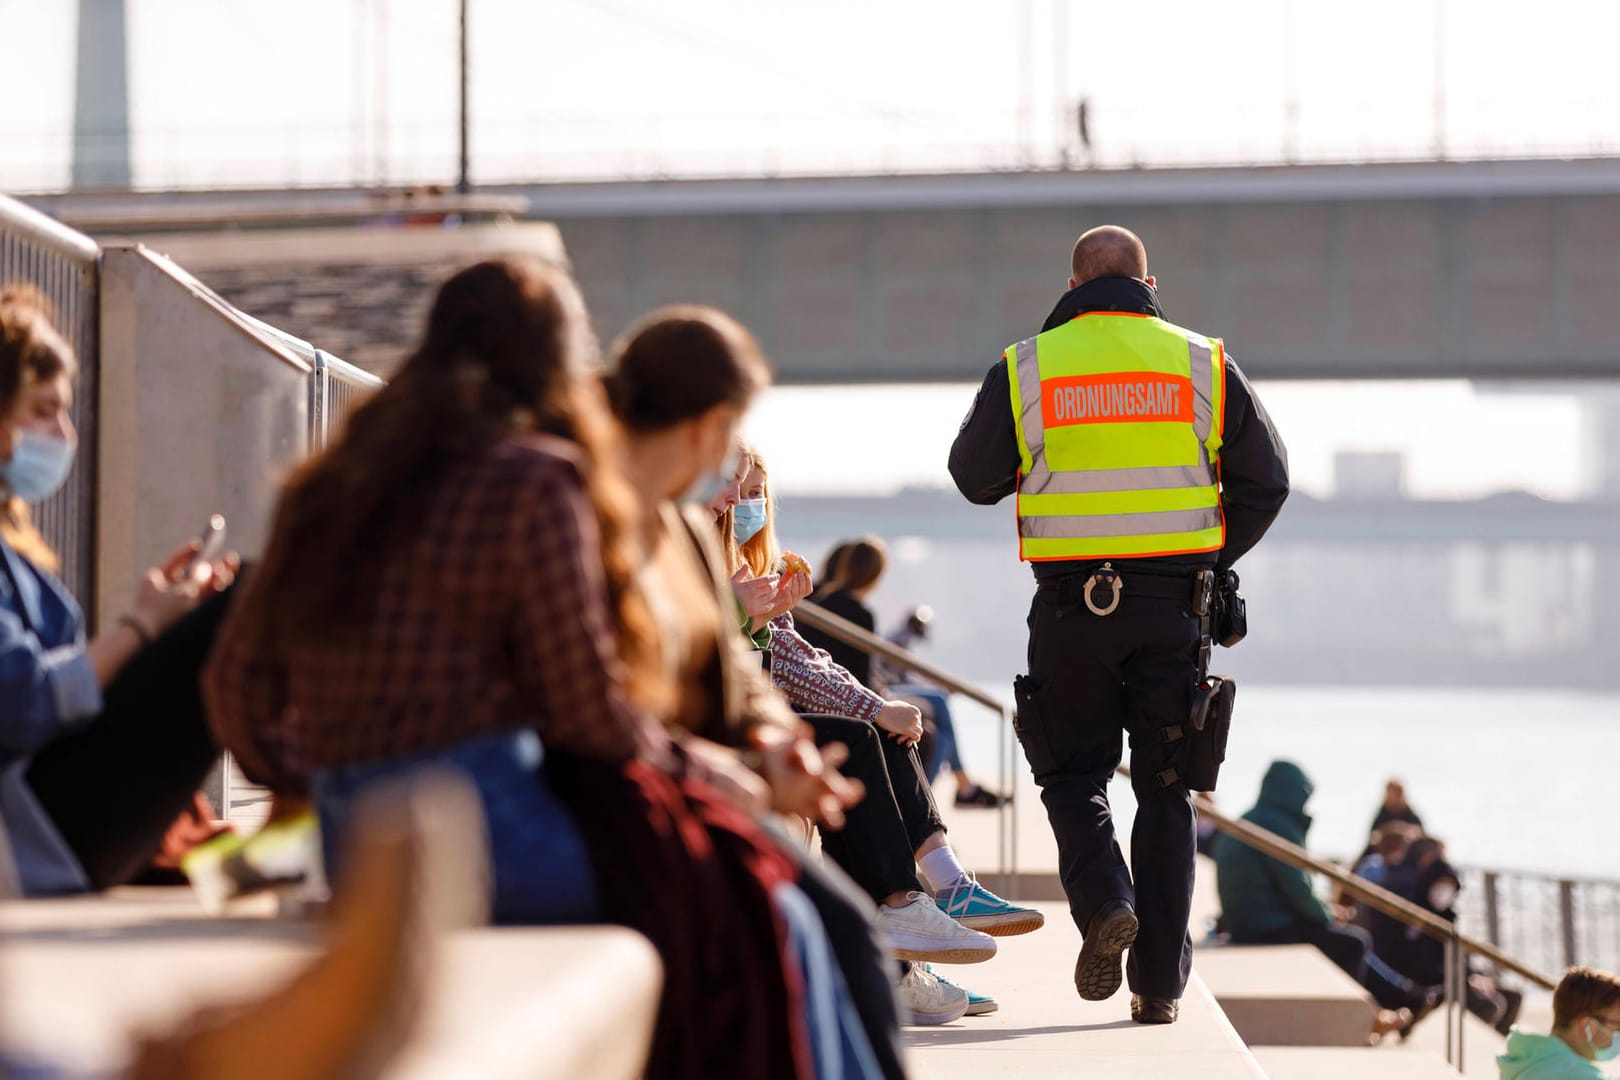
point(80, 978)
point(1286, 995)
point(1337, 1063)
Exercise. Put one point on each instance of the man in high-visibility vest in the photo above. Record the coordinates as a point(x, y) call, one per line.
point(1142, 461)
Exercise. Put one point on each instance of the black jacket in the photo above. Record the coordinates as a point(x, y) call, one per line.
point(1254, 463)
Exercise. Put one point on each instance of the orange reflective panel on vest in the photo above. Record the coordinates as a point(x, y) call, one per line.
point(1117, 399)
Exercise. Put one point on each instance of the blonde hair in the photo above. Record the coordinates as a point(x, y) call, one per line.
point(763, 551)
point(727, 521)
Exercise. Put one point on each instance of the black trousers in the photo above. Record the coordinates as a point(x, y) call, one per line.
point(113, 789)
point(1351, 950)
point(877, 845)
point(1093, 680)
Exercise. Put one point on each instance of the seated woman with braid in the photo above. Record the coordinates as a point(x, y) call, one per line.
point(459, 583)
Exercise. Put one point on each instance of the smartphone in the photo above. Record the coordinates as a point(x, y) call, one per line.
point(210, 542)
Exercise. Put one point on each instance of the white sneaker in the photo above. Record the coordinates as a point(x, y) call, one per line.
point(928, 999)
point(920, 931)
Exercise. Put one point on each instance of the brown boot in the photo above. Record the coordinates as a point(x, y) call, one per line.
point(418, 866)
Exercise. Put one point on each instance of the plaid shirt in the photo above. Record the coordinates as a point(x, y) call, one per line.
point(812, 680)
point(490, 616)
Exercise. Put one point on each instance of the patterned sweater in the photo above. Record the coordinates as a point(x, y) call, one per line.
point(812, 681)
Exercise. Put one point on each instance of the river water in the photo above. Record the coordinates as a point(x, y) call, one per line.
point(1509, 779)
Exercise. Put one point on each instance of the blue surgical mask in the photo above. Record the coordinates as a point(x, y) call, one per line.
point(39, 465)
point(702, 491)
point(1607, 1053)
point(748, 518)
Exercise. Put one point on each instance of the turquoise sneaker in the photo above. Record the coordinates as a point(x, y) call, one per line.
point(977, 1004)
point(976, 907)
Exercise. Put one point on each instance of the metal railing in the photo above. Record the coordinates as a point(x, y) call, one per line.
point(1553, 922)
point(337, 387)
point(819, 618)
point(1457, 942)
point(64, 266)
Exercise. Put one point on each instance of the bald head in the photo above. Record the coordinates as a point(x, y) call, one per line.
point(1108, 251)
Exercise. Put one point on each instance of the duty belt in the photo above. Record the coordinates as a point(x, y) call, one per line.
point(1101, 590)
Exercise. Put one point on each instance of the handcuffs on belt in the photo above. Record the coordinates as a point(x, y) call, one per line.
point(1103, 575)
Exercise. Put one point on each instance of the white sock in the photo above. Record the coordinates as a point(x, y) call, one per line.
point(941, 870)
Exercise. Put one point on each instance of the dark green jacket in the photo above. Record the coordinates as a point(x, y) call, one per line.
point(1260, 895)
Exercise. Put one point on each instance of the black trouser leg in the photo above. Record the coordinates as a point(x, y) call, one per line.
point(1090, 863)
point(113, 789)
point(868, 971)
point(1164, 839)
point(874, 846)
point(1093, 678)
point(912, 793)
point(1350, 949)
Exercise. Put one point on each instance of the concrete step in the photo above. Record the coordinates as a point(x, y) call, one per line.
point(80, 978)
point(1481, 1043)
point(1340, 1063)
point(1286, 995)
point(1044, 1030)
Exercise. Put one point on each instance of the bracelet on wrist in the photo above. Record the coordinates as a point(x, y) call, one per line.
point(137, 626)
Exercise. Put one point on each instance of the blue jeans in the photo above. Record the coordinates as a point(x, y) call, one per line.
point(541, 869)
point(838, 1041)
point(944, 750)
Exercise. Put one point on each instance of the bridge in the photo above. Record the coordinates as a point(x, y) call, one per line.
point(1499, 269)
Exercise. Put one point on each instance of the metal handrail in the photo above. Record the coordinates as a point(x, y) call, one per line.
point(47, 232)
point(1374, 896)
point(1457, 944)
point(1263, 840)
point(819, 618)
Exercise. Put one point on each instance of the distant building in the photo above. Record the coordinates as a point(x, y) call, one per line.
point(1361, 474)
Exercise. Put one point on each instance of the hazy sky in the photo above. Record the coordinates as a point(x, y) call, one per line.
point(1436, 425)
point(363, 91)
point(303, 91)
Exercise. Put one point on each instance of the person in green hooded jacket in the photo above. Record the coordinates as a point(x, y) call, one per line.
point(1586, 1030)
point(1267, 902)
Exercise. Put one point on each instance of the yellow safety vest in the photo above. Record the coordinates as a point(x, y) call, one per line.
point(1119, 431)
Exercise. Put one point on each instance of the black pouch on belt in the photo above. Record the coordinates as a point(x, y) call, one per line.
point(1231, 612)
point(1208, 728)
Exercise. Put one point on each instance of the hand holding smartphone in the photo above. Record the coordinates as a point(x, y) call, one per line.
point(210, 542)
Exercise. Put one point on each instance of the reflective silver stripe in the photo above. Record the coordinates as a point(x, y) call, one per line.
point(1100, 481)
point(1083, 527)
point(1029, 389)
point(1203, 380)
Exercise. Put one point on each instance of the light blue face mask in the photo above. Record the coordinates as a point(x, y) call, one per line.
point(39, 465)
point(703, 490)
point(748, 518)
point(1608, 1053)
